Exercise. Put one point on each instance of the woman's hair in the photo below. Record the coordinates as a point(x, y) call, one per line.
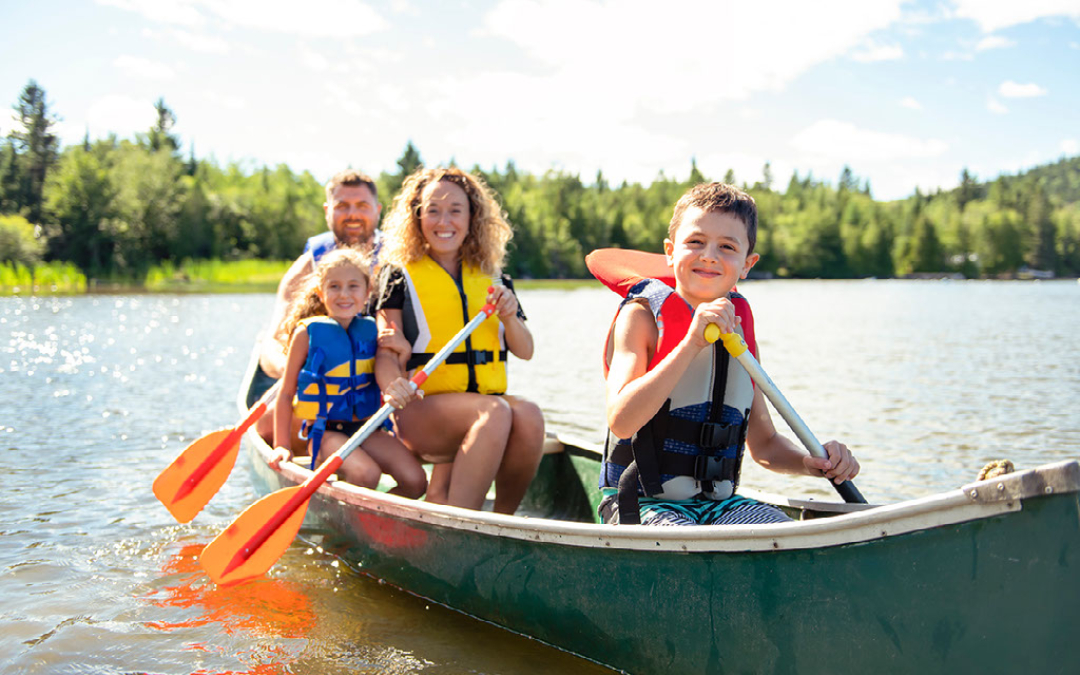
point(307, 302)
point(489, 233)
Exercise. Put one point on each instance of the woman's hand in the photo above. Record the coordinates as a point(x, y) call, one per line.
point(839, 467)
point(400, 392)
point(504, 301)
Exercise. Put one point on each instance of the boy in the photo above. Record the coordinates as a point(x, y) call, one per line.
point(680, 411)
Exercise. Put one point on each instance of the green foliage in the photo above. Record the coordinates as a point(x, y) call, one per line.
point(130, 211)
point(217, 275)
point(52, 278)
point(19, 242)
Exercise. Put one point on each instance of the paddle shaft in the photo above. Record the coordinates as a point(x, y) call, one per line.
point(374, 422)
point(226, 444)
point(735, 345)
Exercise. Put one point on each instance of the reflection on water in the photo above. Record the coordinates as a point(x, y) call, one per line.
point(927, 381)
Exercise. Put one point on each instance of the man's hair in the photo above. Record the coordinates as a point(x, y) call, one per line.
point(350, 177)
point(721, 198)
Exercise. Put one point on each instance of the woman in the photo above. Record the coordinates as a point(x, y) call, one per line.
point(444, 245)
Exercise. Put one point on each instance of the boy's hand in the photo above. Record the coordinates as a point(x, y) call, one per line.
point(720, 311)
point(504, 301)
point(839, 467)
point(280, 455)
point(400, 393)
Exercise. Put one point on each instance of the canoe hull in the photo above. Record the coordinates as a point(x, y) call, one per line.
point(981, 579)
point(977, 594)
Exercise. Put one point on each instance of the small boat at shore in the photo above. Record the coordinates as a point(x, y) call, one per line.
point(982, 578)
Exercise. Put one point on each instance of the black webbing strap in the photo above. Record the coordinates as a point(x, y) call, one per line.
point(472, 358)
point(700, 467)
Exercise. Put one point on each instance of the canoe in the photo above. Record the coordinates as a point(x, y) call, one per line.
point(983, 578)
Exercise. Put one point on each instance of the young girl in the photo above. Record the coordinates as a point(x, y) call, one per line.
point(444, 244)
point(329, 377)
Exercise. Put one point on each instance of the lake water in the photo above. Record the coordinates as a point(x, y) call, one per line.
point(926, 381)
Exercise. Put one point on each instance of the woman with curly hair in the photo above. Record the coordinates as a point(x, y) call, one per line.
point(444, 244)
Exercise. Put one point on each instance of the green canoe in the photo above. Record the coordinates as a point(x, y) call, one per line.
point(985, 578)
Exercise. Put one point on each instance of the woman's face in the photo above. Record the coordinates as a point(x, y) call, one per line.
point(444, 219)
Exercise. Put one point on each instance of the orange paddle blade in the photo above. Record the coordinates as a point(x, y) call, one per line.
point(620, 268)
point(254, 542)
point(195, 476)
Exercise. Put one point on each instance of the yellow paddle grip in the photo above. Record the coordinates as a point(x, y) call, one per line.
point(733, 342)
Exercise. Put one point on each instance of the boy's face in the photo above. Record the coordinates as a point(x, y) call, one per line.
point(708, 255)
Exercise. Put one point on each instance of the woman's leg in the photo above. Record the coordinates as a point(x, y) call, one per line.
point(395, 459)
point(524, 451)
point(438, 491)
point(471, 430)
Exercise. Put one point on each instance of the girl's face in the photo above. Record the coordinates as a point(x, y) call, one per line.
point(344, 292)
point(444, 219)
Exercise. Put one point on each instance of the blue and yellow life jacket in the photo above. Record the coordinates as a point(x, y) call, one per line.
point(693, 446)
point(337, 381)
point(437, 306)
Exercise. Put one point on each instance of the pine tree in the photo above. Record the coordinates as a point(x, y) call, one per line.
point(36, 147)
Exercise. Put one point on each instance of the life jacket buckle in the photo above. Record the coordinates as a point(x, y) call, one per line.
point(710, 468)
point(479, 357)
point(715, 435)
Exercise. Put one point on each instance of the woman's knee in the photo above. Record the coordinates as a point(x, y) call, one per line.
point(493, 410)
point(528, 419)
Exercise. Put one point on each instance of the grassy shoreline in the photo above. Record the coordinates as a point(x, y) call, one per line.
point(243, 276)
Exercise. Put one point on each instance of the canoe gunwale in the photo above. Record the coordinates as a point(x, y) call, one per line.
point(948, 508)
point(854, 523)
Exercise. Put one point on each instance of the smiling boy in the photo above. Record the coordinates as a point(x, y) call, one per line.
point(680, 411)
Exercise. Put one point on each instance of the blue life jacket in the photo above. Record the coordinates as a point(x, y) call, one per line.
point(321, 244)
point(337, 381)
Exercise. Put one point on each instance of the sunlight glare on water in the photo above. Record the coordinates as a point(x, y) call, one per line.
point(926, 381)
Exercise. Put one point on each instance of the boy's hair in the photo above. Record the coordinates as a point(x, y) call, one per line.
point(489, 233)
point(307, 302)
point(722, 198)
point(350, 177)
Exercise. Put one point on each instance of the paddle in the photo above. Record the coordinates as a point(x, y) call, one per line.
point(735, 345)
point(195, 476)
point(257, 539)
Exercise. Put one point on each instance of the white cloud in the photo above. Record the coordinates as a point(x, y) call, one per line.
point(910, 103)
point(995, 106)
point(994, 42)
point(200, 42)
point(224, 101)
point(313, 18)
point(1070, 146)
point(623, 41)
point(1010, 89)
point(404, 7)
point(136, 66)
point(842, 140)
point(992, 15)
point(119, 114)
point(179, 12)
point(872, 51)
point(313, 59)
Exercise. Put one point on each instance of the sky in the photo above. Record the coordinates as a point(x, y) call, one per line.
point(907, 94)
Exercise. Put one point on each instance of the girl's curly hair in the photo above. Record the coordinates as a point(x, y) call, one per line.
point(307, 303)
point(489, 233)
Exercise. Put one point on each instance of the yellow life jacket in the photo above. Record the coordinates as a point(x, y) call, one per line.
point(437, 306)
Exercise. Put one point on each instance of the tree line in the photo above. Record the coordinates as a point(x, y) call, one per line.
point(116, 208)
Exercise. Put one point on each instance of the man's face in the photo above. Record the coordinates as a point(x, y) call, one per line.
point(352, 214)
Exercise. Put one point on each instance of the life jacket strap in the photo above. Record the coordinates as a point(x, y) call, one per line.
point(475, 357)
point(700, 467)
